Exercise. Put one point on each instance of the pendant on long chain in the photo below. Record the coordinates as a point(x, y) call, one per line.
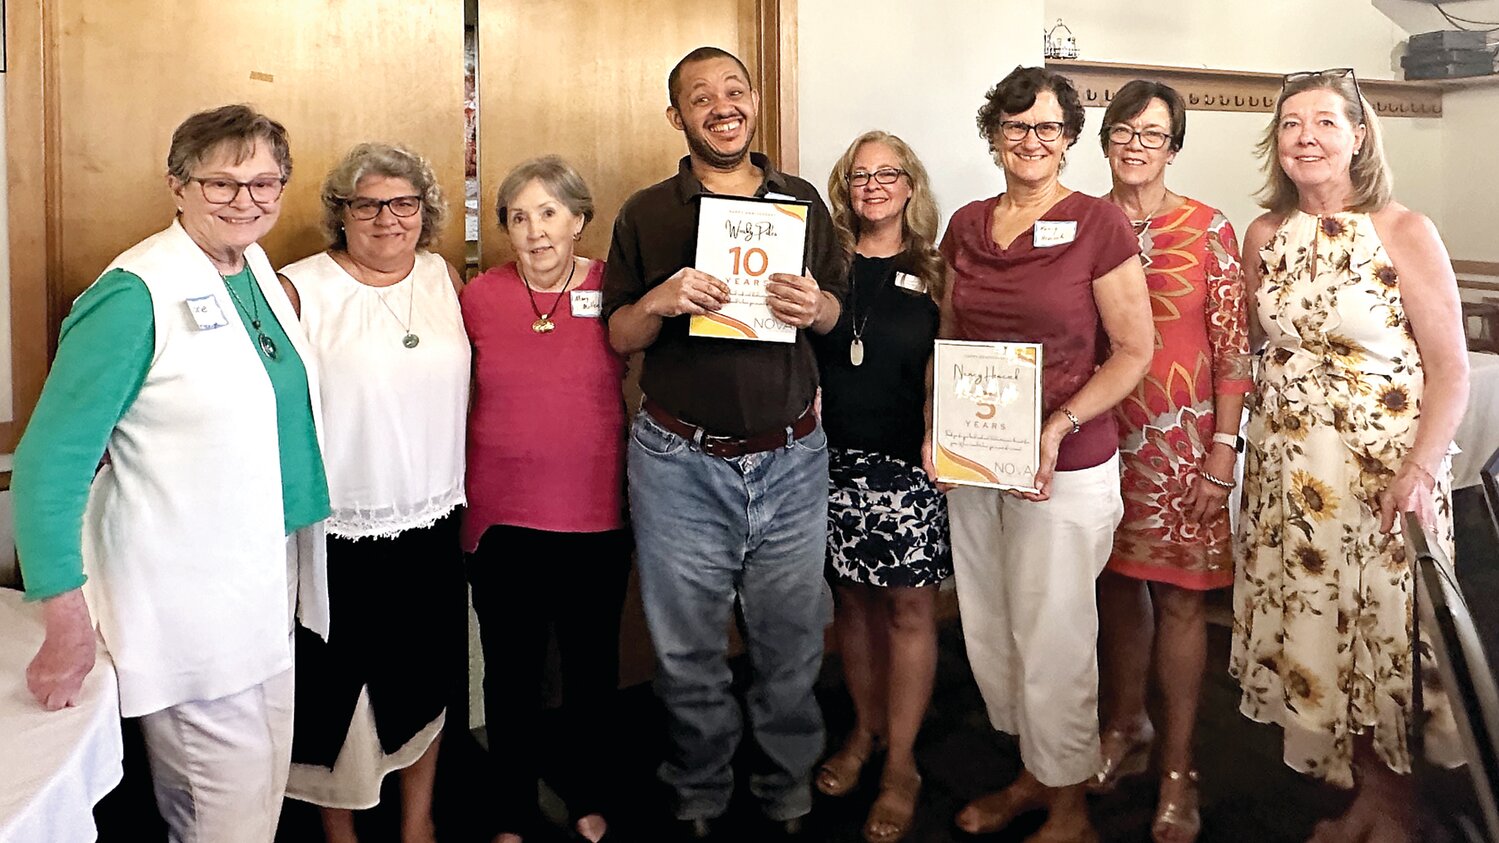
point(543, 326)
point(267, 346)
point(411, 340)
point(856, 352)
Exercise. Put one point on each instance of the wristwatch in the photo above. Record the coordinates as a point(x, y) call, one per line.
point(1232, 440)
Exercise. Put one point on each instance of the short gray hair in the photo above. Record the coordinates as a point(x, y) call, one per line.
point(558, 178)
point(236, 129)
point(391, 161)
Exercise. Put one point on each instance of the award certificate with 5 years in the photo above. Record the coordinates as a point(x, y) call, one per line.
point(986, 413)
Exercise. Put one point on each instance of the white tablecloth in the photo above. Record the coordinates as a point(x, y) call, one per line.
point(54, 765)
point(1478, 435)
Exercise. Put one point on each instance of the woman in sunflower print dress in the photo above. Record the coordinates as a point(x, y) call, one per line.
point(1179, 431)
point(1363, 381)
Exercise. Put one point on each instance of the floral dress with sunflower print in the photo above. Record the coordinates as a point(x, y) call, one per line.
point(1322, 598)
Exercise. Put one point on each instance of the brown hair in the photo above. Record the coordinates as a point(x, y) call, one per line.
point(1373, 183)
point(1017, 92)
point(1133, 99)
point(235, 128)
point(391, 161)
point(918, 219)
point(558, 178)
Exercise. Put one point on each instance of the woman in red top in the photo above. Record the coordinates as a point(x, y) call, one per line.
point(545, 523)
point(1179, 430)
point(1040, 263)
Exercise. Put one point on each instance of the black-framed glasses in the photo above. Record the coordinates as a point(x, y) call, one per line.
point(884, 175)
point(1121, 135)
point(218, 190)
point(361, 208)
point(1330, 73)
point(1014, 130)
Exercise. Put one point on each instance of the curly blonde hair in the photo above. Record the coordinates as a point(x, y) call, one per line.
point(918, 219)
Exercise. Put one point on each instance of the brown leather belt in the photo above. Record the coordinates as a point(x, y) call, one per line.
point(730, 446)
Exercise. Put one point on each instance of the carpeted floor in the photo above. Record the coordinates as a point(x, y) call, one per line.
point(1248, 794)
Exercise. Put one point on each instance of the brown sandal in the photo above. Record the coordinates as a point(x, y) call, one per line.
point(891, 815)
point(840, 774)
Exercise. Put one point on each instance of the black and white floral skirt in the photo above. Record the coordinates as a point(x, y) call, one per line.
point(887, 523)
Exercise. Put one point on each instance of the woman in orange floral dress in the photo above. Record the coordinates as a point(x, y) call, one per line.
point(1362, 385)
point(1178, 449)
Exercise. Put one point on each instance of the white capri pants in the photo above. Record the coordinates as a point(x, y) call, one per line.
point(219, 767)
point(1025, 576)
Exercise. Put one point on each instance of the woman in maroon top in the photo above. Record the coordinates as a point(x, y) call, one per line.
point(545, 522)
point(1040, 263)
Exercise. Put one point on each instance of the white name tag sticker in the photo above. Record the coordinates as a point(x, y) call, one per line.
point(771, 194)
point(588, 304)
point(207, 313)
point(906, 281)
point(1054, 232)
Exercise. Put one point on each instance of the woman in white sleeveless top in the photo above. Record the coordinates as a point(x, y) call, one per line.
point(382, 316)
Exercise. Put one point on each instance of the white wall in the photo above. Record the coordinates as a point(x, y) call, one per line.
point(918, 70)
point(1470, 177)
point(1217, 165)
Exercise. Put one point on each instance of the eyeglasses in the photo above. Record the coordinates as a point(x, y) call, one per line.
point(1121, 135)
point(884, 175)
point(368, 209)
point(222, 191)
point(1331, 73)
point(1014, 130)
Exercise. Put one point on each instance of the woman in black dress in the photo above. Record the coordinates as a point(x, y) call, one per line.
point(888, 544)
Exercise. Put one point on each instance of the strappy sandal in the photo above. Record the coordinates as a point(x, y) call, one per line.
point(840, 774)
point(1132, 757)
point(893, 810)
point(1178, 821)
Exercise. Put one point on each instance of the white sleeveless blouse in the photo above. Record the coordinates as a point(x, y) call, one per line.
point(394, 417)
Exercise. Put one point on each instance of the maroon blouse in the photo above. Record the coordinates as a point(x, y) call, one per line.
point(1031, 293)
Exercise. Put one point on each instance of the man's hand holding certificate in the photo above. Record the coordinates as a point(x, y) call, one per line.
point(743, 243)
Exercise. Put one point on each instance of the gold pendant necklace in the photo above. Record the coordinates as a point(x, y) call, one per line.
point(544, 323)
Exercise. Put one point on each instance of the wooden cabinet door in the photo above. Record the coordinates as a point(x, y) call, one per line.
point(334, 72)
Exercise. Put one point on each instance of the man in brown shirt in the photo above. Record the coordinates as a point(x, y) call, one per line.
point(727, 463)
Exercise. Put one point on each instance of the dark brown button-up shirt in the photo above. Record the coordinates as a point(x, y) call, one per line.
point(729, 387)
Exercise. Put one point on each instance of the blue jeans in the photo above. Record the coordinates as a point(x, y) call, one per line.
point(708, 529)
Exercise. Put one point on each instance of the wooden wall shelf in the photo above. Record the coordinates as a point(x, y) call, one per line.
point(1237, 90)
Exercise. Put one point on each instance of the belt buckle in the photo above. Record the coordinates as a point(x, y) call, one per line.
point(718, 446)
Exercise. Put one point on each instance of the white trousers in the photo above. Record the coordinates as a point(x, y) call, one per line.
point(1025, 576)
point(219, 766)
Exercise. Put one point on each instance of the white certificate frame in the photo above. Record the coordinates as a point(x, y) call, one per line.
point(986, 413)
point(742, 240)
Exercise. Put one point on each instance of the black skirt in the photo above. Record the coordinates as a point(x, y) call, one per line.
point(398, 624)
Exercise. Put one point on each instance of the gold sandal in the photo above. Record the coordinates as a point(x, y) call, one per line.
point(1179, 821)
point(840, 774)
point(893, 810)
point(1133, 759)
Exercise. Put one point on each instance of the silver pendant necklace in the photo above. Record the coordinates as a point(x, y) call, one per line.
point(410, 340)
point(266, 344)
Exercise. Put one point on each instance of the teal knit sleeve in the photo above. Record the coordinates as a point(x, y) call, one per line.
point(103, 354)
